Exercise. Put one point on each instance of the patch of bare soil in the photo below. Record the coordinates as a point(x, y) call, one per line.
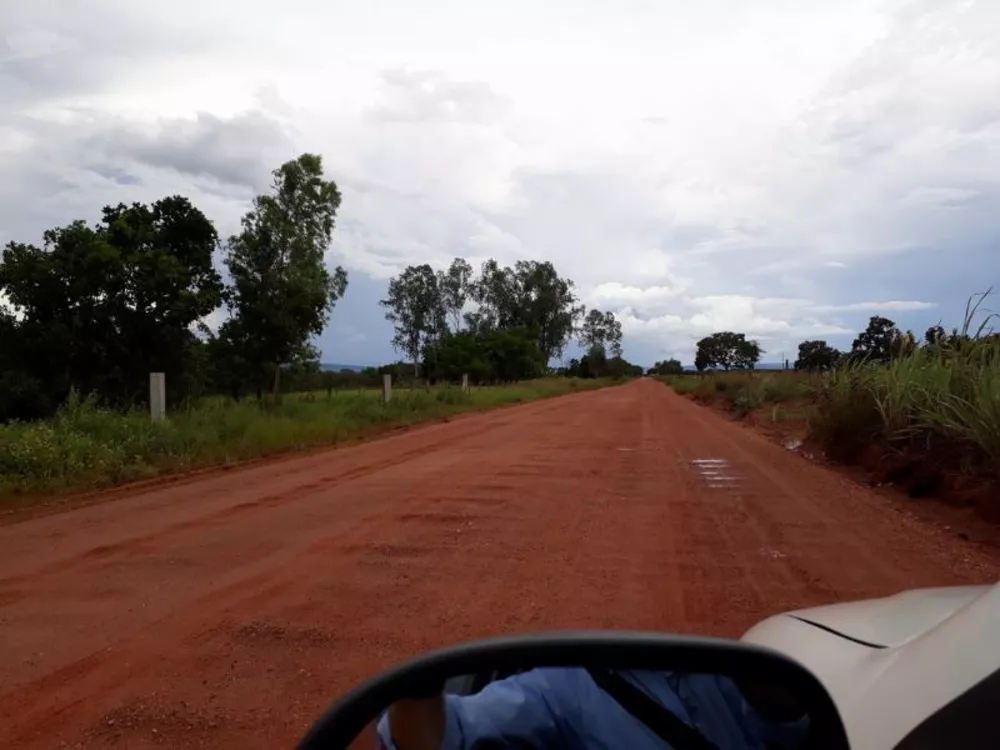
point(964, 503)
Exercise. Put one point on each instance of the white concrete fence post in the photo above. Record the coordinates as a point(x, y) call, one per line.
point(157, 396)
point(386, 388)
point(465, 382)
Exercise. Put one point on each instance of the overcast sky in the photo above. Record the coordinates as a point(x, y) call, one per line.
point(785, 168)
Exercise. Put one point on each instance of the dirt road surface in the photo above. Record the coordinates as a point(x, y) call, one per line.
point(228, 610)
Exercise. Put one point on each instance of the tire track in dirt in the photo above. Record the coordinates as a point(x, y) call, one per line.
point(584, 511)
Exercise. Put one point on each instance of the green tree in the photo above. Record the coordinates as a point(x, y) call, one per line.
point(100, 307)
point(547, 305)
point(169, 284)
point(602, 329)
point(594, 364)
point(230, 367)
point(415, 307)
point(530, 295)
point(455, 286)
point(667, 367)
point(459, 354)
point(283, 293)
point(875, 342)
point(619, 367)
point(492, 356)
point(514, 355)
point(728, 350)
point(816, 355)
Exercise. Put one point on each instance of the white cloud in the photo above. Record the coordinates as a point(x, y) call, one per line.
point(890, 306)
point(691, 165)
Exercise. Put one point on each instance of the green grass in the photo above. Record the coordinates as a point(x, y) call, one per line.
point(932, 399)
point(745, 391)
point(938, 402)
point(85, 447)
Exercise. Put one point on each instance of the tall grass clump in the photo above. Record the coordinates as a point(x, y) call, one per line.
point(967, 410)
point(942, 400)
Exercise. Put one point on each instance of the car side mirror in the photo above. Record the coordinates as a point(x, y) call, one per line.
point(638, 690)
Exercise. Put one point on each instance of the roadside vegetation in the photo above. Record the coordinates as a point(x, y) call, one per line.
point(90, 312)
point(85, 446)
point(921, 414)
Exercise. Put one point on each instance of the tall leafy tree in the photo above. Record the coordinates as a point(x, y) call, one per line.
point(875, 342)
point(602, 329)
point(455, 286)
point(415, 307)
point(816, 355)
point(283, 292)
point(727, 350)
point(100, 307)
point(546, 305)
point(169, 283)
point(530, 295)
point(496, 293)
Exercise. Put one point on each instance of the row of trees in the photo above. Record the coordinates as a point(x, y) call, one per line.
point(98, 307)
point(880, 342)
point(506, 323)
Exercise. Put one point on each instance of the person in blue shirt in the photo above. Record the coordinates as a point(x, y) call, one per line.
point(565, 709)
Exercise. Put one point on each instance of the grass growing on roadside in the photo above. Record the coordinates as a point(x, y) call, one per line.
point(744, 391)
point(86, 447)
point(932, 398)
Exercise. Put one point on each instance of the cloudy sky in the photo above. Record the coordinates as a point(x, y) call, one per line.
point(785, 168)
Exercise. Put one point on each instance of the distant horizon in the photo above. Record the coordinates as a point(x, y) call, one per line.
point(337, 366)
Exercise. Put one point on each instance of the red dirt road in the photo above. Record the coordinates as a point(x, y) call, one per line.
point(229, 610)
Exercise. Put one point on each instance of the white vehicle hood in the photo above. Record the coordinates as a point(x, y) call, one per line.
point(895, 619)
point(890, 663)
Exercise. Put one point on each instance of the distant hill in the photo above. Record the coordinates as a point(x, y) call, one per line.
point(334, 367)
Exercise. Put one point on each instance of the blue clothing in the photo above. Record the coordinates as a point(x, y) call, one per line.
point(564, 709)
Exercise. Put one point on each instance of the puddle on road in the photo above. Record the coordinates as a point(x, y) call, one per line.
point(716, 472)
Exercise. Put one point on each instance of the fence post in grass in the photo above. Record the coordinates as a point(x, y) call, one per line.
point(386, 388)
point(465, 382)
point(157, 396)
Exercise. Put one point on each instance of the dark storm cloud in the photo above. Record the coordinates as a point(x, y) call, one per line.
point(239, 151)
point(67, 170)
point(115, 174)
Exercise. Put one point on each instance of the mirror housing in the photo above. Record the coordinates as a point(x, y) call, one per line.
point(610, 650)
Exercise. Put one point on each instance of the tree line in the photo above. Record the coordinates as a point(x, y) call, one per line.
point(98, 307)
point(503, 323)
point(881, 342)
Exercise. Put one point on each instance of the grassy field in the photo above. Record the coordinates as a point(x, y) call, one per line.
point(84, 447)
point(935, 412)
